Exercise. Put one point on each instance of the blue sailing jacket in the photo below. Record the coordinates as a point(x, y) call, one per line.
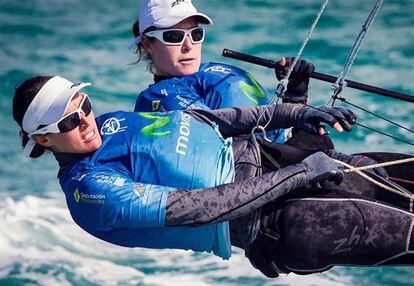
point(214, 86)
point(119, 192)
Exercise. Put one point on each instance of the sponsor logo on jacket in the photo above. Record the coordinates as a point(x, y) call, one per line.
point(155, 105)
point(219, 69)
point(251, 89)
point(112, 125)
point(184, 130)
point(81, 197)
point(105, 179)
point(159, 121)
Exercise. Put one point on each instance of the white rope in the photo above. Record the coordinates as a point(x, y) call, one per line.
point(379, 184)
point(384, 164)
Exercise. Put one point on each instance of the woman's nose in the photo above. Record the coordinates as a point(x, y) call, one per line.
point(187, 45)
point(83, 120)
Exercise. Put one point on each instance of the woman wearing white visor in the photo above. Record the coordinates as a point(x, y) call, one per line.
point(165, 180)
point(169, 34)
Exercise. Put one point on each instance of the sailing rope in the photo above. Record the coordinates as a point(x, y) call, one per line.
point(340, 82)
point(384, 164)
point(401, 180)
point(337, 88)
point(379, 184)
point(281, 87)
point(383, 133)
point(376, 115)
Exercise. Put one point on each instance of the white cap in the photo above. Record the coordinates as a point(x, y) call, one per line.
point(165, 14)
point(48, 106)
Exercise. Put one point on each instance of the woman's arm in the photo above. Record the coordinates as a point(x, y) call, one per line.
point(235, 121)
point(229, 201)
point(240, 120)
point(105, 199)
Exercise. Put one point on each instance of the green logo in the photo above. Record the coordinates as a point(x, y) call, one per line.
point(76, 195)
point(252, 92)
point(159, 122)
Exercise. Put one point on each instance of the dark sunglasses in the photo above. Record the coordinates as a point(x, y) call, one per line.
point(69, 121)
point(177, 36)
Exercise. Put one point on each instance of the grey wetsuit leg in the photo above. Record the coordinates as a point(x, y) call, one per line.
point(317, 233)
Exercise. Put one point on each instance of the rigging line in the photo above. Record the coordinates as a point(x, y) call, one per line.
point(281, 87)
point(385, 134)
point(374, 114)
point(369, 128)
point(340, 82)
point(378, 165)
point(401, 180)
point(284, 81)
point(395, 191)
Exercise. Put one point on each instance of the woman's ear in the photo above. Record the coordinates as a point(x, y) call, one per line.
point(42, 140)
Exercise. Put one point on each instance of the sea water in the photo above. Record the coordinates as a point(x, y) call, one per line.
point(87, 41)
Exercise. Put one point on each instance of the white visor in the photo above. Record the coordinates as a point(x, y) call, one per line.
point(48, 106)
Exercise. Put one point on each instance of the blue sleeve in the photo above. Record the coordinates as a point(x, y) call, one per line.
point(106, 199)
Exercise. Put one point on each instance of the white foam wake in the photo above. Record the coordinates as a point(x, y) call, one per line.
point(39, 242)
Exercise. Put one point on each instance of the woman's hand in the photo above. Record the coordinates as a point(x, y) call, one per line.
point(312, 119)
point(297, 88)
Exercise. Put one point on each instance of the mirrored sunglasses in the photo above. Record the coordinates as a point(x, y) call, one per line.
point(177, 36)
point(70, 121)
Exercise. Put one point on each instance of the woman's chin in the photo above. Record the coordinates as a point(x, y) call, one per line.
point(188, 68)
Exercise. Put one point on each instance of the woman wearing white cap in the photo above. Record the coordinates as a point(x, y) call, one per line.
point(164, 180)
point(168, 34)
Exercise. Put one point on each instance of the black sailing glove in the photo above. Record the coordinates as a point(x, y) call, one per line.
point(311, 118)
point(357, 161)
point(319, 167)
point(297, 88)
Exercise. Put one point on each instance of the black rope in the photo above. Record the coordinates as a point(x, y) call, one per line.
point(372, 129)
point(385, 134)
point(374, 114)
point(381, 117)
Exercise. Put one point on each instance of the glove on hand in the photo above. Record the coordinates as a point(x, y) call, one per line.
point(310, 119)
point(358, 161)
point(320, 167)
point(297, 88)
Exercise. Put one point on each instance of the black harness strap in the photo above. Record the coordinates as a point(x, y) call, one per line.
point(262, 252)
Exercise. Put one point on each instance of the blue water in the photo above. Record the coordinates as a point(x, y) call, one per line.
point(87, 41)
